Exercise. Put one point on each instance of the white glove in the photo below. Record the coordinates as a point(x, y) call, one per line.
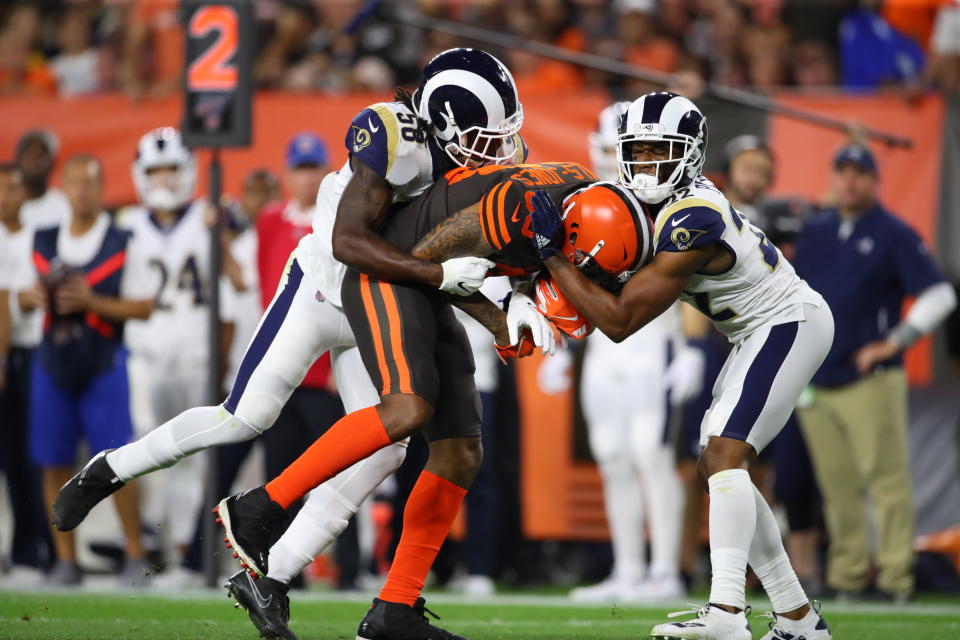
point(463, 276)
point(684, 375)
point(522, 314)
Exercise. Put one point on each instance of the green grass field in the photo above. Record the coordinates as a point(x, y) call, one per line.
point(60, 616)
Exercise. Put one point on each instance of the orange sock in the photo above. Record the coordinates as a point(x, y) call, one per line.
point(427, 518)
point(351, 439)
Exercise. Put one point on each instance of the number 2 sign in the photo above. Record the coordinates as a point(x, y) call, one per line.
point(217, 82)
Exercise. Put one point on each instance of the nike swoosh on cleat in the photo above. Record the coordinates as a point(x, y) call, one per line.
point(263, 604)
point(674, 223)
point(373, 129)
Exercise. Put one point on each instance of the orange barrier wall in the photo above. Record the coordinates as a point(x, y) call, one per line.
point(110, 126)
point(561, 499)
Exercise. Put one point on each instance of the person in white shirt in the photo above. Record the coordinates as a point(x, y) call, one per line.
point(36, 157)
point(31, 549)
point(95, 279)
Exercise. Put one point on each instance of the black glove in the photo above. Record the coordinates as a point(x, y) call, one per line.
point(547, 226)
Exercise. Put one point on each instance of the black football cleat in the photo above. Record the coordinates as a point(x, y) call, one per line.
point(394, 621)
point(83, 491)
point(265, 601)
point(251, 522)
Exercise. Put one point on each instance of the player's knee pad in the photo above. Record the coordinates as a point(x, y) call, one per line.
point(616, 469)
point(195, 430)
point(607, 445)
point(258, 410)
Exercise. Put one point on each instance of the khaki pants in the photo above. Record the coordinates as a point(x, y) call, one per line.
point(857, 437)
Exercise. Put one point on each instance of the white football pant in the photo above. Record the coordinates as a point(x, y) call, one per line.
point(625, 402)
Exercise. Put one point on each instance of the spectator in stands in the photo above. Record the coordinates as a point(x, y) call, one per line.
point(813, 64)
point(643, 46)
point(864, 261)
point(32, 549)
point(36, 156)
point(23, 70)
point(873, 54)
point(943, 64)
point(765, 45)
point(153, 49)
point(94, 280)
point(78, 65)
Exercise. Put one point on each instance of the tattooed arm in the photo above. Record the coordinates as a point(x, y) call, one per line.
point(457, 236)
point(356, 243)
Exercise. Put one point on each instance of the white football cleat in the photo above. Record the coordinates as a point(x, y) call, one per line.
point(662, 587)
point(613, 590)
point(711, 623)
point(812, 627)
point(477, 586)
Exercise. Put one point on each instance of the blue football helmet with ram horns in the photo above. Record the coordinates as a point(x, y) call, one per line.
point(678, 126)
point(470, 101)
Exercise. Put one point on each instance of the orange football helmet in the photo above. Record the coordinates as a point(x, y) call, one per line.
point(606, 227)
point(558, 309)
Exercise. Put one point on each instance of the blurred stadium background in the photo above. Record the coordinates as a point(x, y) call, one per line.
point(94, 76)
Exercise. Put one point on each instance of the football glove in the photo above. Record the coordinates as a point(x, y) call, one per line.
point(522, 314)
point(547, 226)
point(463, 276)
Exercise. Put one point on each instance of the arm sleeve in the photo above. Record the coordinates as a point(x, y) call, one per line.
point(690, 227)
point(932, 306)
point(503, 213)
point(914, 264)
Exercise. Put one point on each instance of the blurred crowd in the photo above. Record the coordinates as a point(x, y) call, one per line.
point(84, 47)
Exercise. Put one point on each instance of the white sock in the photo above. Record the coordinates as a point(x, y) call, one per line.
point(624, 506)
point(327, 510)
point(733, 518)
point(806, 622)
point(770, 561)
point(193, 430)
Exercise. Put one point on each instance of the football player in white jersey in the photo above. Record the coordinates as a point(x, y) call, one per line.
point(709, 255)
point(630, 434)
point(391, 160)
point(169, 353)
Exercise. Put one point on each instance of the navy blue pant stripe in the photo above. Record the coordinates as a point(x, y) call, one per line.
point(265, 335)
point(668, 399)
point(759, 379)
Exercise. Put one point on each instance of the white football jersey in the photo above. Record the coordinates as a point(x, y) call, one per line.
point(760, 288)
point(384, 137)
point(178, 328)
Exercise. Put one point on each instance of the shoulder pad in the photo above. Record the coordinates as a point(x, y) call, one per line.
point(382, 134)
point(688, 223)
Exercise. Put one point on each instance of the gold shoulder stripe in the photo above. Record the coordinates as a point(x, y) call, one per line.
point(389, 120)
point(680, 205)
